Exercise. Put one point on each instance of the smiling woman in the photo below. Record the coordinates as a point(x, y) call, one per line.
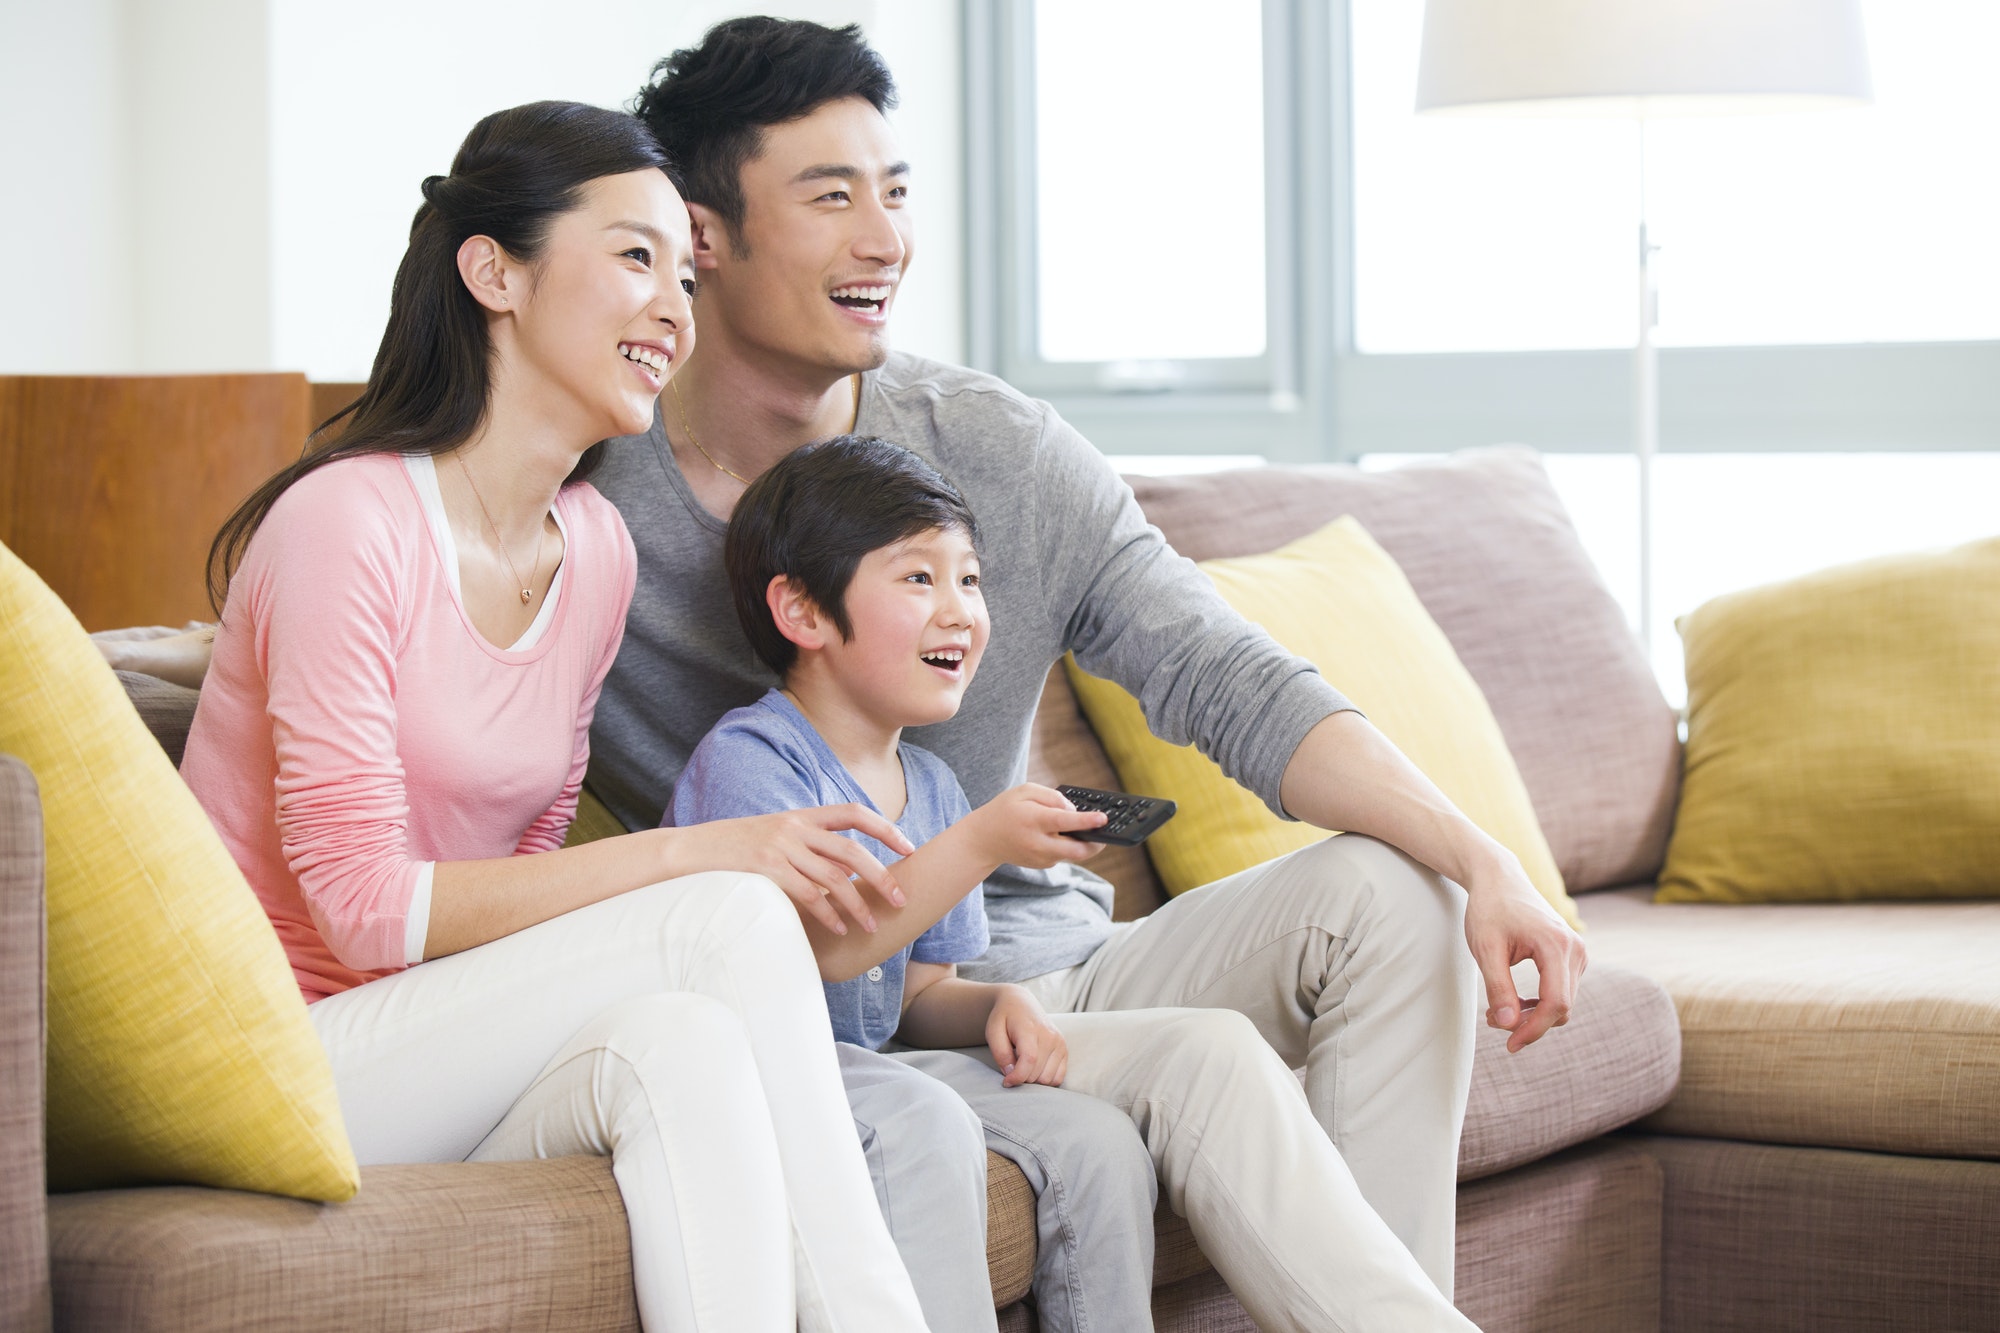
point(393, 732)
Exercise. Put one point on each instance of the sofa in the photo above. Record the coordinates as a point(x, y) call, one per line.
point(1758, 1118)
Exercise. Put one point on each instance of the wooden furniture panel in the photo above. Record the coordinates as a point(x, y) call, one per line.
point(329, 397)
point(111, 487)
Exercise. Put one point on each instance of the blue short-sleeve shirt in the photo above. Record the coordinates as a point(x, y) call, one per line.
point(767, 757)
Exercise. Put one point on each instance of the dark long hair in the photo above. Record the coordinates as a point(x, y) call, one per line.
point(515, 174)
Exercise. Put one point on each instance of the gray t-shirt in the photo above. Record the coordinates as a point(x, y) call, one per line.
point(1067, 564)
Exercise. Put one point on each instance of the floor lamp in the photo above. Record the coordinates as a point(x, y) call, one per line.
point(1641, 59)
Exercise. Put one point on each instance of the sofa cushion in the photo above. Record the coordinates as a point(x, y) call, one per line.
point(1849, 1025)
point(1612, 1063)
point(1334, 598)
point(1492, 555)
point(178, 1045)
point(1844, 736)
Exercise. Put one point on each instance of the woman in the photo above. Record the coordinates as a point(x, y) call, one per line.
point(398, 712)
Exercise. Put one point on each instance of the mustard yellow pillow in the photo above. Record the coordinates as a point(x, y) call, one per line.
point(1844, 736)
point(1336, 599)
point(178, 1046)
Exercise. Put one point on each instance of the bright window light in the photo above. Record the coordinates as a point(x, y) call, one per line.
point(1150, 181)
point(1875, 224)
point(1730, 521)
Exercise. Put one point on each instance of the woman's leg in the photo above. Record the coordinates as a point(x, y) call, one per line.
point(663, 1085)
point(429, 1061)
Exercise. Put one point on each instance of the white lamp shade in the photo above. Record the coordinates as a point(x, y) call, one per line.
point(1640, 57)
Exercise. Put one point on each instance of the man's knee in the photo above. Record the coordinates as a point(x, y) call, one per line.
point(1398, 905)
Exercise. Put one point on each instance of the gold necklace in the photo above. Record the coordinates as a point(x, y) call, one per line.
point(527, 589)
point(680, 410)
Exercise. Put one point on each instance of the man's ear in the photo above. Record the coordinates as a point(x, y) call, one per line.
point(795, 614)
point(710, 235)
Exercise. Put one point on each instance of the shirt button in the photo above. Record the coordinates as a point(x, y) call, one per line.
point(874, 974)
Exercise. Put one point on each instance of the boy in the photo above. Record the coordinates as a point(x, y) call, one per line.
point(853, 568)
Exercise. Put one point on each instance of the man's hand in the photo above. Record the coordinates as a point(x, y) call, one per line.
point(1507, 922)
point(1025, 1045)
point(1023, 826)
point(802, 852)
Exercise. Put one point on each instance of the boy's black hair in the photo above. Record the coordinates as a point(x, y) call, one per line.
point(815, 515)
point(709, 105)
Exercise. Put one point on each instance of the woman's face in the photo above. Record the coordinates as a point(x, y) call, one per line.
point(606, 318)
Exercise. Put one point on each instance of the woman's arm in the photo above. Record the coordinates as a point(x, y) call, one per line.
point(474, 902)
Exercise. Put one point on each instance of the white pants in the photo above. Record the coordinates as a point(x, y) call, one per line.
point(681, 1030)
point(1346, 958)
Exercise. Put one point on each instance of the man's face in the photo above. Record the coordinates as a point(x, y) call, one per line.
point(813, 272)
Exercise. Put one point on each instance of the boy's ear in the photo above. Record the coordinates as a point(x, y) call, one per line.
point(795, 614)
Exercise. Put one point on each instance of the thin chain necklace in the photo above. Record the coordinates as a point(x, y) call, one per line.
point(528, 588)
point(680, 410)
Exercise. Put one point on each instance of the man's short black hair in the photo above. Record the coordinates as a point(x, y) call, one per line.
point(709, 105)
point(815, 515)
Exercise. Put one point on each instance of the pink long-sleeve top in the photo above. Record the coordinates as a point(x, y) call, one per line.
point(354, 727)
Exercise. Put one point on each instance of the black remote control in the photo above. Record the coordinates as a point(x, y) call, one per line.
point(1132, 820)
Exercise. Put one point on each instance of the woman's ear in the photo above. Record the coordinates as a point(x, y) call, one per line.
point(794, 613)
point(709, 233)
point(493, 279)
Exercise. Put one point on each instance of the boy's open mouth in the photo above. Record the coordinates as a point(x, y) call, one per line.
point(950, 660)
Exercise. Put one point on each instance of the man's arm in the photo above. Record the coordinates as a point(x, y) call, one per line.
point(1347, 775)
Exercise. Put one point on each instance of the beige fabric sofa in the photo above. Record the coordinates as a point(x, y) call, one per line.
point(1840, 1190)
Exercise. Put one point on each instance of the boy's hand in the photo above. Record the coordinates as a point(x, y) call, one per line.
point(802, 852)
point(1023, 826)
point(1025, 1045)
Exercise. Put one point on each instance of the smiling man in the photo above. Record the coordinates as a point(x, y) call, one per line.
point(1354, 959)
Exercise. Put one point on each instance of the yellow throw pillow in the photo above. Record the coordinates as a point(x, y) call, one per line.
point(178, 1045)
point(1336, 599)
point(1844, 736)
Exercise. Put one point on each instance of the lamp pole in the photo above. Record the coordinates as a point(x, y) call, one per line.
point(1646, 403)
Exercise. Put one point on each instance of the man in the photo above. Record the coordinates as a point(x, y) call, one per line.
point(1350, 958)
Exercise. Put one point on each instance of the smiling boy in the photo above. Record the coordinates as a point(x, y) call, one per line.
point(853, 571)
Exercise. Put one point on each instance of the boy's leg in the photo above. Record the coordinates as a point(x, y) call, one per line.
point(1350, 959)
point(927, 1155)
point(1094, 1193)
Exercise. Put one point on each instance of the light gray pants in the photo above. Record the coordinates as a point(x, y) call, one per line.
point(926, 1120)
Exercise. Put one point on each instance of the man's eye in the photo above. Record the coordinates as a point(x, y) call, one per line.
point(900, 192)
point(642, 254)
point(839, 196)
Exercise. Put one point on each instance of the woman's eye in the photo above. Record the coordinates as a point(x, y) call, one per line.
point(687, 285)
point(642, 254)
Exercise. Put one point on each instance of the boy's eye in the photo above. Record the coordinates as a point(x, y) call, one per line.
point(969, 581)
point(919, 577)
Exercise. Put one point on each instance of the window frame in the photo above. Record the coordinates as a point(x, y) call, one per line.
point(1315, 396)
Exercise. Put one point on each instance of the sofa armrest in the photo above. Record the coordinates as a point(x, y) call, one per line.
point(24, 1238)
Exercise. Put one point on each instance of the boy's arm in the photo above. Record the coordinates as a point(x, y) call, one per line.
point(942, 1010)
point(1022, 826)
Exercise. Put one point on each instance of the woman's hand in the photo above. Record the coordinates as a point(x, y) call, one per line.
point(1023, 826)
point(1024, 1043)
point(802, 852)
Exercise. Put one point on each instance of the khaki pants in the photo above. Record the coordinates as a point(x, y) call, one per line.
point(1330, 1207)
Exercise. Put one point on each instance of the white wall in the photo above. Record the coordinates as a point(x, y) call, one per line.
point(228, 184)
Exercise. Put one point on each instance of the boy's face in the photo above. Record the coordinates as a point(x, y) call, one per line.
point(918, 627)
